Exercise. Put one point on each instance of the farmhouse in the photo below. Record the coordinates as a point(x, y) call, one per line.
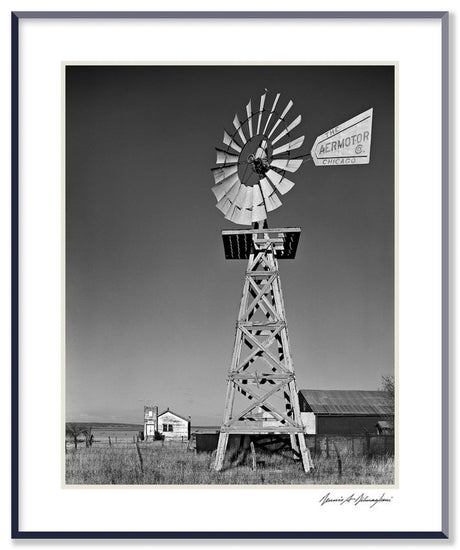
point(345, 411)
point(173, 426)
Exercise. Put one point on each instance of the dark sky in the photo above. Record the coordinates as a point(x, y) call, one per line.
point(151, 302)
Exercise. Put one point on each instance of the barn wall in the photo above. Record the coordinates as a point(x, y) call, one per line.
point(350, 445)
point(180, 426)
point(347, 424)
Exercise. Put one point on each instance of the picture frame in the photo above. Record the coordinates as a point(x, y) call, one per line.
point(23, 352)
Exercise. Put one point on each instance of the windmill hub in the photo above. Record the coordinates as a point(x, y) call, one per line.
point(260, 165)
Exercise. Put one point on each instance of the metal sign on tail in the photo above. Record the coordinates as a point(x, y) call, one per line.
point(349, 143)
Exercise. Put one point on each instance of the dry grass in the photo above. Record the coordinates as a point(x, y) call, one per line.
point(174, 464)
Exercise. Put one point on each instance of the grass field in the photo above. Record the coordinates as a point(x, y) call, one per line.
point(153, 463)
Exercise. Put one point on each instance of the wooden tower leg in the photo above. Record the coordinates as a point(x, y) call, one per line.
point(294, 444)
point(221, 448)
point(305, 453)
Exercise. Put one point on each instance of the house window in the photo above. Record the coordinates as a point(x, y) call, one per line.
point(150, 413)
point(168, 427)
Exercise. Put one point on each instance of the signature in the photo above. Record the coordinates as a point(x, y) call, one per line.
point(355, 499)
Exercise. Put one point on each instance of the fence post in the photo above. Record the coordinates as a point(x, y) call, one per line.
point(339, 458)
point(253, 455)
point(141, 462)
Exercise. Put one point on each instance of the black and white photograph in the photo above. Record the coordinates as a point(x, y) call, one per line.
point(230, 275)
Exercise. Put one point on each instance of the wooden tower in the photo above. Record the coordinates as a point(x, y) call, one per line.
point(261, 370)
point(251, 172)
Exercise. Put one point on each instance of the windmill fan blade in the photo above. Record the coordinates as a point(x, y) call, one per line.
point(224, 187)
point(286, 110)
point(241, 209)
point(233, 213)
point(249, 113)
point(257, 197)
point(272, 202)
point(231, 142)
point(271, 112)
point(242, 214)
point(262, 103)
point(282, 184)
point(258, 214)
point(295, 144)
point(233, 193)
point(223, 172)
point(240, 199)
point(291, 165)
point(291, 126)
point(245, 217)
point(228, 200)
point(239, 129)
point(247, 203)
point(224, 205)
point(239, 215)
point(283, 114)
point(225, 158)
point(258, 209)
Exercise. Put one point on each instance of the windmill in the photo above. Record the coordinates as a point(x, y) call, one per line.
point(252, 171)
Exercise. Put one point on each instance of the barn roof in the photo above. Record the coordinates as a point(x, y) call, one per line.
point(175, 414)
point(348, 402)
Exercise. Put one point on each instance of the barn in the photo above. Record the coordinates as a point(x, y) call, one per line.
point(345, 411)
point(173, 426)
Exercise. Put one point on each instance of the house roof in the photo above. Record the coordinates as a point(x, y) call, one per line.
point(348, 402)
point(175, 414)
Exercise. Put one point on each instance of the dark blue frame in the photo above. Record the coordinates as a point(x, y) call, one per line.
point(15, 531)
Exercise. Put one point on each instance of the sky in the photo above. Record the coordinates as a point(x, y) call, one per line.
point(151, 302)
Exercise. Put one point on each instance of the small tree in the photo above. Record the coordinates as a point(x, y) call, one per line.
point(388, 385)
point(88, 436)
point(73, 431)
